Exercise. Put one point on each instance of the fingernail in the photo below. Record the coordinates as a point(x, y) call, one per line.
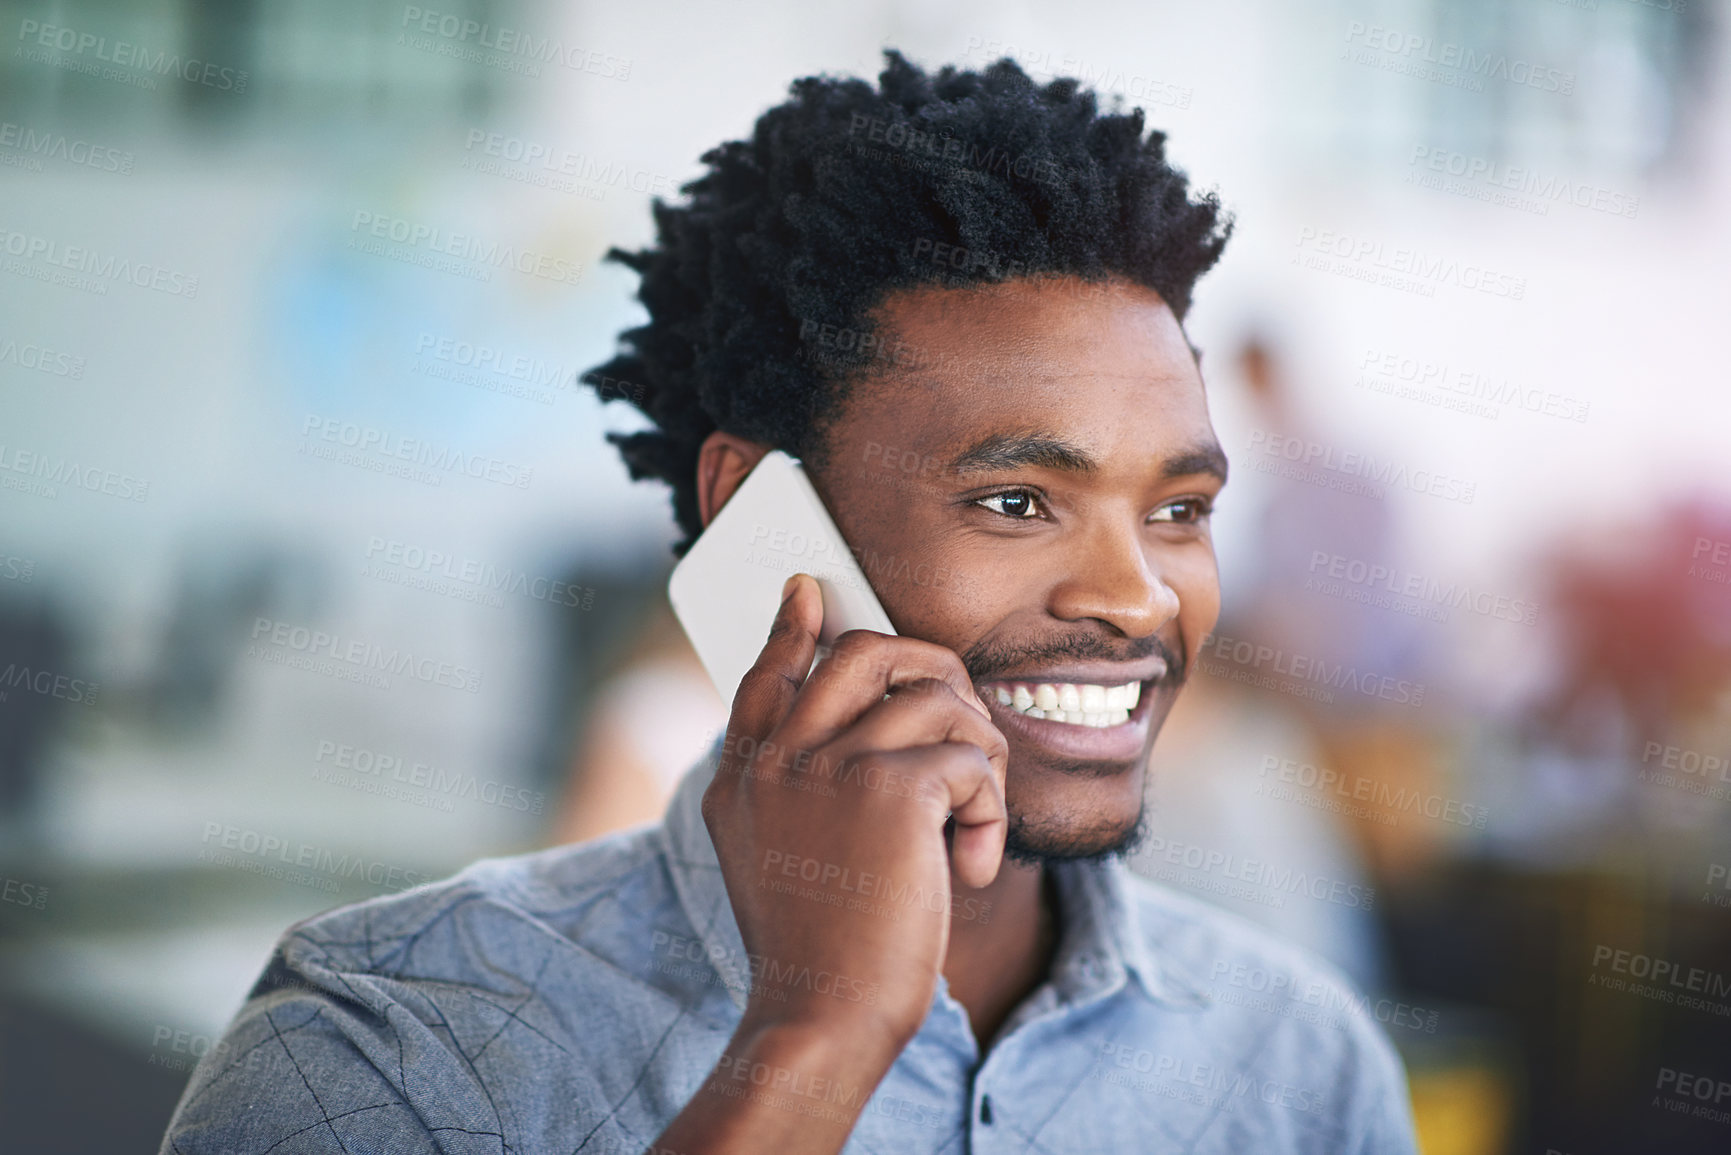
point(787, 588)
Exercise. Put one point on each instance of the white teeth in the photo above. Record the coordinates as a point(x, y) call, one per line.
point(1084, 704)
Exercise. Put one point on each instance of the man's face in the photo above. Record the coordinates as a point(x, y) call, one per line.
point(1032, 492)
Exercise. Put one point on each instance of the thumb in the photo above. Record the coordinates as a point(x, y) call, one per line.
point(766, 693)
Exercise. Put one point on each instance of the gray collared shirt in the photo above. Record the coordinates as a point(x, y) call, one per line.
point(575, 999)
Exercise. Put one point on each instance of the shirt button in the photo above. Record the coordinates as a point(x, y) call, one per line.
point(985, 1109)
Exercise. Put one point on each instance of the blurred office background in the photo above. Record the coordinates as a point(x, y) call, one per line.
point(249, 265)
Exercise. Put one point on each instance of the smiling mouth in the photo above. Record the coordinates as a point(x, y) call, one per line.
point(1072, 703)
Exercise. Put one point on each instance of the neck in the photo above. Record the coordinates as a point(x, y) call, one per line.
point(999, 954)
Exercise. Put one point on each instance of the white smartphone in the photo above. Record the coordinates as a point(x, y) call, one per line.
point(727, 588)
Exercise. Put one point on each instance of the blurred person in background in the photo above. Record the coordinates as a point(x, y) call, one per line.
point(652, 718)
point(942, 947)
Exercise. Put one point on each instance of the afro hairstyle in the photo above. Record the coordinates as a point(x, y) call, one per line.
point(761, 285)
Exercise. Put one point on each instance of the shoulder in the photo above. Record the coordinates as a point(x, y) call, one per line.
point(1254, 993)
point(1203, 946)
point(472, 1009)
point(452, 927)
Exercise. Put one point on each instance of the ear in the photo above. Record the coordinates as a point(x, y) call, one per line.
point(722, 464)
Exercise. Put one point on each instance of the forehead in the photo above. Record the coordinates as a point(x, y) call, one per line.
point(1105, 365)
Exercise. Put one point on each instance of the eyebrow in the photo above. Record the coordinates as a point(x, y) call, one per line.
point(1010, 451)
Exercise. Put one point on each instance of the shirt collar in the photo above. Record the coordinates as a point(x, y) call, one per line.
point(696, 871)
point(1103, 942)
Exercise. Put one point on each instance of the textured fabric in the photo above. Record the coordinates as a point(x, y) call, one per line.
point(573, 1000)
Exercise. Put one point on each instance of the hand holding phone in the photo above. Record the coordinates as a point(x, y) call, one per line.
point(839, 778)
point(828, 813)
point(727, 588)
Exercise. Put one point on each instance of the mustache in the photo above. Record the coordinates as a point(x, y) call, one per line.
point(989, 659)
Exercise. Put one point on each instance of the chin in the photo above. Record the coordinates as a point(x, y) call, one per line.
point(1075, 829)
point(1068, 808)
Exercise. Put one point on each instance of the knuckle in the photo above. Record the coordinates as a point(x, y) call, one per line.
point(758, 681)
point(859, 657)
point(968, 756)
point(921, 690)
point(712, 805)
point(860, 641)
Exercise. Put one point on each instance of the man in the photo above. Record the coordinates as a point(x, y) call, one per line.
point(889, 912)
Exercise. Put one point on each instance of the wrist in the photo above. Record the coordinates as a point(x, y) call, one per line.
point(855, 1051)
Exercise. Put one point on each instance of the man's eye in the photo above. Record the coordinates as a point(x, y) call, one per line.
point(1018, 504)
point(1184, 511)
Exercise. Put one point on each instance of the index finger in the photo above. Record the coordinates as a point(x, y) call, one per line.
point(860, 670)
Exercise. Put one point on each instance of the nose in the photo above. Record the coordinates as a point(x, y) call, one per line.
point(1113, 577)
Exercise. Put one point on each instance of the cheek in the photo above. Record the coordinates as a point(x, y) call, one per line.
point(1197, 583)
point(938, 597)
point(929, 593)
